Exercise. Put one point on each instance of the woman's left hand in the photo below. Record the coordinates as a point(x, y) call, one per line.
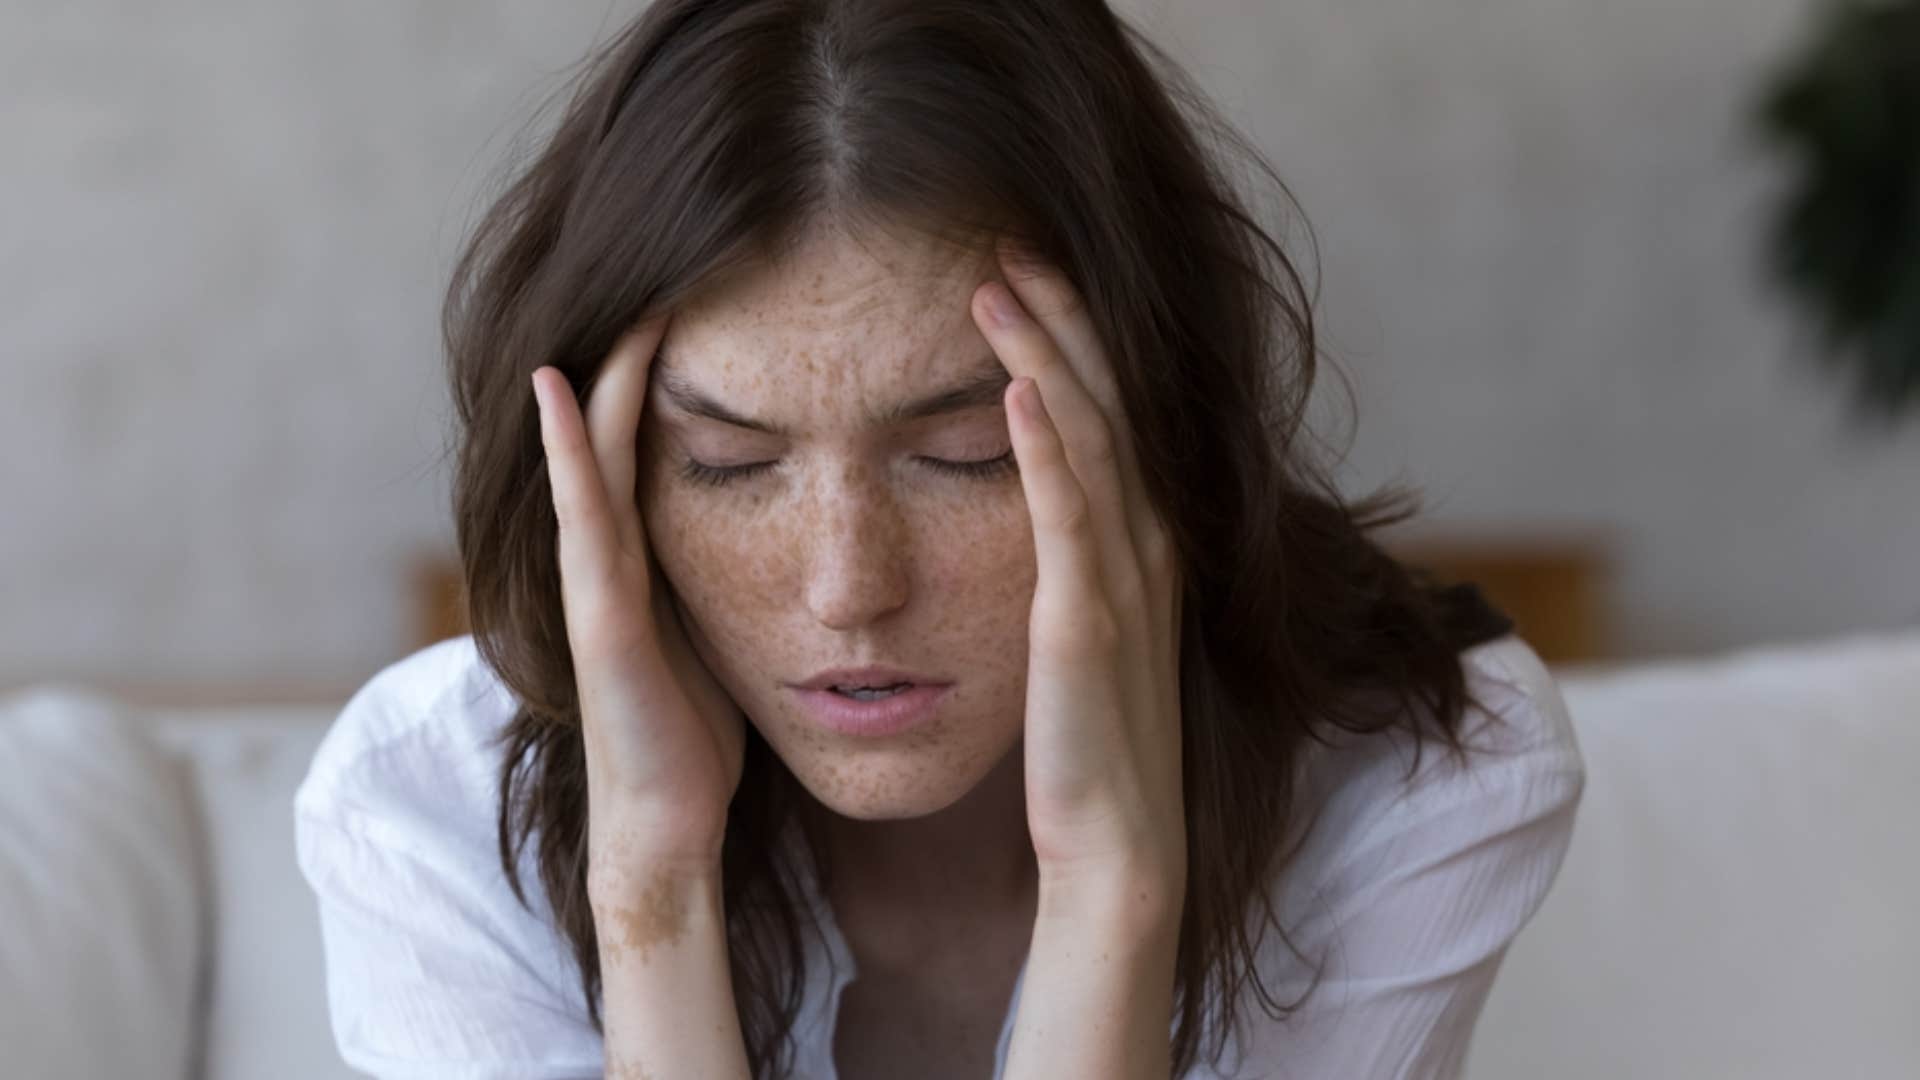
point(1103, 776)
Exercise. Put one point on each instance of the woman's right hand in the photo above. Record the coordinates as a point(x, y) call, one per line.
point(664, 741)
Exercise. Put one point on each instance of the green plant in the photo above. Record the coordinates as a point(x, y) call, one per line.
point(1847, 237)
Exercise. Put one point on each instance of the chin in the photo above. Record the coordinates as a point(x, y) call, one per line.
point(909, 780)
point(906, 807)
point(884, 788)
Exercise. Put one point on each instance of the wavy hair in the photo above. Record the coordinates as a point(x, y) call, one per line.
point(705, 136)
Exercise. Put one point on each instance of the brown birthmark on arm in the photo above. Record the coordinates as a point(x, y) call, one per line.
point(658, 914)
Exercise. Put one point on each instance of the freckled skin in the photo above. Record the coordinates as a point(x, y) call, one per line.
point(849, 549)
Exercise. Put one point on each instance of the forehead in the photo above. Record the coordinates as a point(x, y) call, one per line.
point(872, 307)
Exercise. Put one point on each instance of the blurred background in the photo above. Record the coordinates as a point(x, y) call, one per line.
point(1542, 224)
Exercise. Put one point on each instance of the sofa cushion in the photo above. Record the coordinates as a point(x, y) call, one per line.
point(267, 987)
point(1740, 894)
point(100, 893)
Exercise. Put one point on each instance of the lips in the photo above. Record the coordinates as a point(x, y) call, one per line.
point(872, 677)
point(881, 717)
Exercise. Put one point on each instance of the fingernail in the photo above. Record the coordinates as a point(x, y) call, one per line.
point(1001, 305)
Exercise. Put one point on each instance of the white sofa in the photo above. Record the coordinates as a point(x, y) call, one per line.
point(1742, 898)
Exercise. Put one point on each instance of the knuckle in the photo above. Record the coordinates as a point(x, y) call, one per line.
point(1098, 630)
point(1073, 517)
point(1101, 449)
point(1129, 593)
point(1060, 300)
point(1041, 367)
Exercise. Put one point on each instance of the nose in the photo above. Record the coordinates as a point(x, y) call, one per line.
point(858, 567)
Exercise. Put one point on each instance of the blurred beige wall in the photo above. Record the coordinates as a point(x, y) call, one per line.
point(1541, 224)
point(228, 227)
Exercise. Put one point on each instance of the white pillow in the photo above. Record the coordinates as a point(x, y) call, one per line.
point(267, 1012)
point(1740, 895)
point(100, 893)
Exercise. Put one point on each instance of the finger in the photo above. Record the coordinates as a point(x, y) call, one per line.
point(614, 406)
point(1052, 300)
point(1079, 424)
point(1065, 548)
point(579, 499)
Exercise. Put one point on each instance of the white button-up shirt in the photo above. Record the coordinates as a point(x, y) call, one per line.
point(1409, 891)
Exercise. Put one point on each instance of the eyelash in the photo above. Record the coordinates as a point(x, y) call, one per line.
point(721, 475)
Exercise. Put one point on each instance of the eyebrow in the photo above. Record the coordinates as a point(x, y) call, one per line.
point(985, 386)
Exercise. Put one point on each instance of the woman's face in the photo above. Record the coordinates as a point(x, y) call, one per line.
point(851, 548)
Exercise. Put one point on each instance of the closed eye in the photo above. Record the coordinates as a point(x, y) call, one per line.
point(721, 475)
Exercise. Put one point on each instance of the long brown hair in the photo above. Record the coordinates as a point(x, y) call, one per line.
point(706, 135)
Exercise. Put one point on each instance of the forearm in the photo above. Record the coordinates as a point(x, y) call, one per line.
point(667, 991)
point(1097, 998)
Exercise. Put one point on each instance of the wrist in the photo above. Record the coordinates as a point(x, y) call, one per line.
point(1135, 900)
point(638, 909)
point(637, 844)
point(622, 873)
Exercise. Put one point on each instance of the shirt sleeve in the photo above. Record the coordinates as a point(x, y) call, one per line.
point(433, 969)
point(1412, 922)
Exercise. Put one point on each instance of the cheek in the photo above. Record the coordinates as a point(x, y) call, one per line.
point(723, 574)
point(979, 576)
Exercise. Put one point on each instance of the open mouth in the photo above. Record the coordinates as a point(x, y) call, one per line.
point(872, 712)
point(871, 693)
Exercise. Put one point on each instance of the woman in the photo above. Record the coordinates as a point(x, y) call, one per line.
point(913, 632)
